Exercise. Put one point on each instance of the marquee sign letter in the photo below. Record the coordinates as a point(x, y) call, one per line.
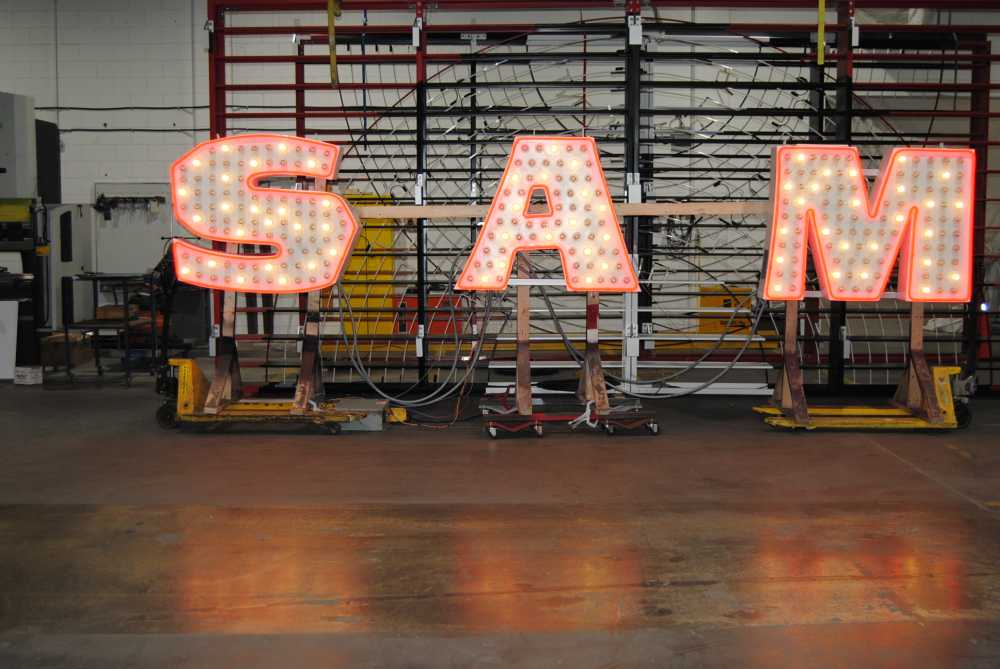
point(921, 211)
point(578, 219)
point(216, 196)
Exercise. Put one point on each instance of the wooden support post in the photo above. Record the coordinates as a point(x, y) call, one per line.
point(523, 382)
point(226, 380)
point(309, 386)
point(788, 389)
point(592, 386)
point(916, 390)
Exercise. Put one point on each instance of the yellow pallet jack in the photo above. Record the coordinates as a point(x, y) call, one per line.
point(924, 399)
point(219, 402)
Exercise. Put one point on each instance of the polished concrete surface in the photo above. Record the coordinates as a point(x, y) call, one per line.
point(719, 543)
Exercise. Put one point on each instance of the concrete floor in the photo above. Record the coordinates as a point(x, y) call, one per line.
point(720, 543)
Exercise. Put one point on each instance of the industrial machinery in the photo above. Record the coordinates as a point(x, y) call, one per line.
point(29, 180)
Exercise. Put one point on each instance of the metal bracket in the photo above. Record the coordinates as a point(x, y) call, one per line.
point(632, 342)
point(418, 26)
point(209, 26)
point(633, 188)
point(634, 30)
point(418, 188)
point(420, 341)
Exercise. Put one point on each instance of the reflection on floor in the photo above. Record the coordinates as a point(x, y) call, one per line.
point(718, 543)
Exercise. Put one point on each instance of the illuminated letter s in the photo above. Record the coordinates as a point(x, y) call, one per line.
point(216, 196)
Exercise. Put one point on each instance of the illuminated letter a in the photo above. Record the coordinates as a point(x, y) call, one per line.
point(578, 219)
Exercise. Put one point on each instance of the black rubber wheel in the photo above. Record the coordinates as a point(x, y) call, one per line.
point(609, 428)
point(539, 430)
point(653, 427)
point(334, 428)
point(166, 416)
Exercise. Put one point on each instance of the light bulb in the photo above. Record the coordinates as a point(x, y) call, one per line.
point(195, 163)
point(900, 189)
point(185, 270)
point(182, 192)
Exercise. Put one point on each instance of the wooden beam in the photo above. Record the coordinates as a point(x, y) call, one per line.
point(523, 386)
point(434, 211)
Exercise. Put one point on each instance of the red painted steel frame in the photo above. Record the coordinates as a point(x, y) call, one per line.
point(975, 56)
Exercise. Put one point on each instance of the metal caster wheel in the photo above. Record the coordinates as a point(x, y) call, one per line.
point(334, 428)
point(492, 431)
point(539, 430)
point(653, 427)
point(609, 429)
point(166, 416)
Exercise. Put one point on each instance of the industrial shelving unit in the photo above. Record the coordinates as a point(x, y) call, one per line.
point(684, 109)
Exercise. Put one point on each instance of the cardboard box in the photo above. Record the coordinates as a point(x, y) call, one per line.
point(28, 376)
point(114, 312)
point(54, 350)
